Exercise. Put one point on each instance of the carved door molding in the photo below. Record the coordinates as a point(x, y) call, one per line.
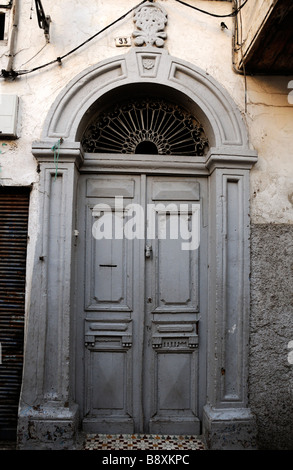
point(226, 165)
point(144, 300)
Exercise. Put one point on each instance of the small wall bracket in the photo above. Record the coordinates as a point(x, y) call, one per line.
point(43, 20)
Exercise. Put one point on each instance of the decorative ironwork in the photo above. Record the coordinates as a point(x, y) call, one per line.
point(149, 126)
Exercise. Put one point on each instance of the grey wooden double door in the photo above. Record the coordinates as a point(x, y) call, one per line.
point(140, 303)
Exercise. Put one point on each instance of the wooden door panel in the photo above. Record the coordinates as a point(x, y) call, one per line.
point(172, 311)
point(108, 394)
point(141, 315)
point(174, 269)
point(109, 280)
point(108, 305)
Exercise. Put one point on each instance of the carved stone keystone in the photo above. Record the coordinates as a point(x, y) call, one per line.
point(150, 20)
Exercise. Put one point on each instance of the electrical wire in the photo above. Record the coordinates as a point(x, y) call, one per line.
point(234, 13)
point(34, 55)
point(13, 73)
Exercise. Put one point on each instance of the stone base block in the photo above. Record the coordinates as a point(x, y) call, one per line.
point(48, 427)
point(229, 429)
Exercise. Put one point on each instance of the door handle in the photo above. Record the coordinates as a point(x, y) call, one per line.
point(148, 251)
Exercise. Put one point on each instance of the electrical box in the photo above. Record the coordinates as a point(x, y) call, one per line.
point(8, 115)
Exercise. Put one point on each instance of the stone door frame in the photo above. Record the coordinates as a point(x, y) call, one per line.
point(48, 414)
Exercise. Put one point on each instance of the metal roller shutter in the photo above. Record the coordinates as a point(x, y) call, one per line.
point(14, 204)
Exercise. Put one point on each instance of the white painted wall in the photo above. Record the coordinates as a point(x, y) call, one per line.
point(192, 36)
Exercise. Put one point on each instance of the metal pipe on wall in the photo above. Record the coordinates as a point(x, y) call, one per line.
point(15, 13)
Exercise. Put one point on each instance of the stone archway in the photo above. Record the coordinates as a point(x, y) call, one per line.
point(48, 386)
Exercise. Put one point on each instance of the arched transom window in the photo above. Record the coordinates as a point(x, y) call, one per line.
point(148, 126)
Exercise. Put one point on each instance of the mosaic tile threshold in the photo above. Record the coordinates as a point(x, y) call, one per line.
point(142, 442)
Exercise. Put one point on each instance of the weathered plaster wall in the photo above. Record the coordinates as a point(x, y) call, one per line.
point(192, 36)
point(271, 369)
point(270, 120)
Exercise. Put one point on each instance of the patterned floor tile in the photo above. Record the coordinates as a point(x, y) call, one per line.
point(142, 442)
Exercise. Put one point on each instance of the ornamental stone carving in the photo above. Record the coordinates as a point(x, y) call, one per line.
point(150, 21)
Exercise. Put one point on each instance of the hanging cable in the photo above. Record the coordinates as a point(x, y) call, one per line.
point(43, 47)
point(13, 73)
point(234, 13)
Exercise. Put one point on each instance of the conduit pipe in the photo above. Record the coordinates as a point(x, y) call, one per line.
point(15, 13)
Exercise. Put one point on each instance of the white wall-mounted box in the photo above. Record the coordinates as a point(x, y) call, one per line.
point(8, 115)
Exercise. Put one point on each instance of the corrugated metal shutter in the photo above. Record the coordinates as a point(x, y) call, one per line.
point(14, 204)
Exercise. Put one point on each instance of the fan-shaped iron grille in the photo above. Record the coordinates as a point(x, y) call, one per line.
point(149, 126)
